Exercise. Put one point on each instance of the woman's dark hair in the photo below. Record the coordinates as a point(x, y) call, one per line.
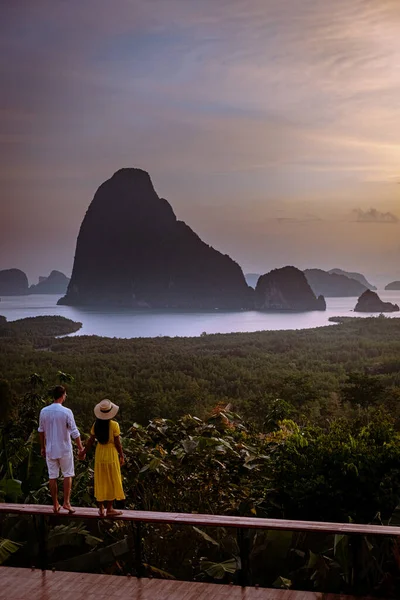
point(102, 430)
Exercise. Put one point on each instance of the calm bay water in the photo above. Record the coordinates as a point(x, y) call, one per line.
point(126, 323)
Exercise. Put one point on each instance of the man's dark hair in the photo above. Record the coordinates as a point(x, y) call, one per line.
point(58, 391)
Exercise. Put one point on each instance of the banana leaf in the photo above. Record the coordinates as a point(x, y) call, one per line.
point(7, 548)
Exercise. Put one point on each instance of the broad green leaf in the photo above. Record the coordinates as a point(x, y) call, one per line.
point(189, 445)
point(162, 574)
point(71, 535)
point(205, 536)
point(219, 570)
point(279, 544)
point(395, 518)
point(312, 560)
point(282, 583)
point(11, 489)
point(7, 547)
point(342, 554)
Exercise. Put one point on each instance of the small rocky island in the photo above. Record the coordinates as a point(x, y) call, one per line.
point(394, 285)
point(370, 302)
point(13, 282)
point(286, 289)
point(55, 283)
point(132, 251)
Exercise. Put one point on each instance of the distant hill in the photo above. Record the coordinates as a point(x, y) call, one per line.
point(357, 276)
point(331, 285)
point(55, 283)
point(251, 279)
point(286, 289)
point(13, 282)
point(395, 285)
point(132, 251)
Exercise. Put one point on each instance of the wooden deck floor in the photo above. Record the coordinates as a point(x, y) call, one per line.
point(24, 584)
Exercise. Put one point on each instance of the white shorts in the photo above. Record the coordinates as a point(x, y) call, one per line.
point(65, 463)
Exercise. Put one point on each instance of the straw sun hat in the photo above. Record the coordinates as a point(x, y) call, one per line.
point(106, 410)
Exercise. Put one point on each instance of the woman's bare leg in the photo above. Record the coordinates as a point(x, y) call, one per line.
point(111, 512)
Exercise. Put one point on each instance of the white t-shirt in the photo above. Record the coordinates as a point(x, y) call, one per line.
point(58, 425)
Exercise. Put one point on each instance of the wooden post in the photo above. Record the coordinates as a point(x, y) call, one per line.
point(356, 547)
point(43, 559)
point(243, 540)
point(137, 540)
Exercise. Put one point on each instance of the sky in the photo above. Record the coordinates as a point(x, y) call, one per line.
point(271, 126)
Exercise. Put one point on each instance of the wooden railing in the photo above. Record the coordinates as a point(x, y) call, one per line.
point(241, 524)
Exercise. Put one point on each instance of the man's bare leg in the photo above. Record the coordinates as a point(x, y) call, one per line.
point(54, 494)
point(67, 494)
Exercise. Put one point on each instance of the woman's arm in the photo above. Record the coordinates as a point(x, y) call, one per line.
point(118, 445)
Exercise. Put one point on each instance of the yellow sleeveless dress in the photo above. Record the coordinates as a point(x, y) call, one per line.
point(107, 470)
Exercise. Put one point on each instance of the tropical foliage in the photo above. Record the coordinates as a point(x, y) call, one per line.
point(170, 377)
point(318, 439)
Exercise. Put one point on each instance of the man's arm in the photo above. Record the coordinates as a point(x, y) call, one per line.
point(78, 442)
point(74, 431)
point(42, 436)
point(42, 444)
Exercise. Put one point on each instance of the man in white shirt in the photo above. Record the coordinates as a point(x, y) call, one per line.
point(56, 428)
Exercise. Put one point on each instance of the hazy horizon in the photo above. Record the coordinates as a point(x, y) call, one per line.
point(271, 126)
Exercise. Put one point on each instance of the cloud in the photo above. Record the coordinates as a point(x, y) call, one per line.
point(237, 104)
point(374, 216)
point(303, 219)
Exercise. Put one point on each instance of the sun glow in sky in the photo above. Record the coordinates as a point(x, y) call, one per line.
point(271, 126)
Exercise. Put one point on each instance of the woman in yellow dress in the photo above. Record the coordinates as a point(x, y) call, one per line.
point(108, 458)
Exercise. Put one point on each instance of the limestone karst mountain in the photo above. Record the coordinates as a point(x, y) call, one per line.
point(354, 275)
point(132, 251)
point(286, 289)
point(394, 285)
point(332, 284)
point(13, 282)
point(55, 283)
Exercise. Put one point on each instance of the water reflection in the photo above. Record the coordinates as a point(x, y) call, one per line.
point(128, 323)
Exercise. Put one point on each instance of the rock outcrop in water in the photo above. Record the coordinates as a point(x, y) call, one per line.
point(286, 289)
point(55, 283)
point(370, 302)
point(13, 282)
point(132, 251)
point(394, 285)
point(332, 285)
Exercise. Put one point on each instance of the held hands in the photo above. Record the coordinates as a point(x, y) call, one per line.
point(121, 459)
point(82, 454)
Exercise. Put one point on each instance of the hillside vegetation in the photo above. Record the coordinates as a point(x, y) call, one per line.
point(319, 372)
point(317, 438)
